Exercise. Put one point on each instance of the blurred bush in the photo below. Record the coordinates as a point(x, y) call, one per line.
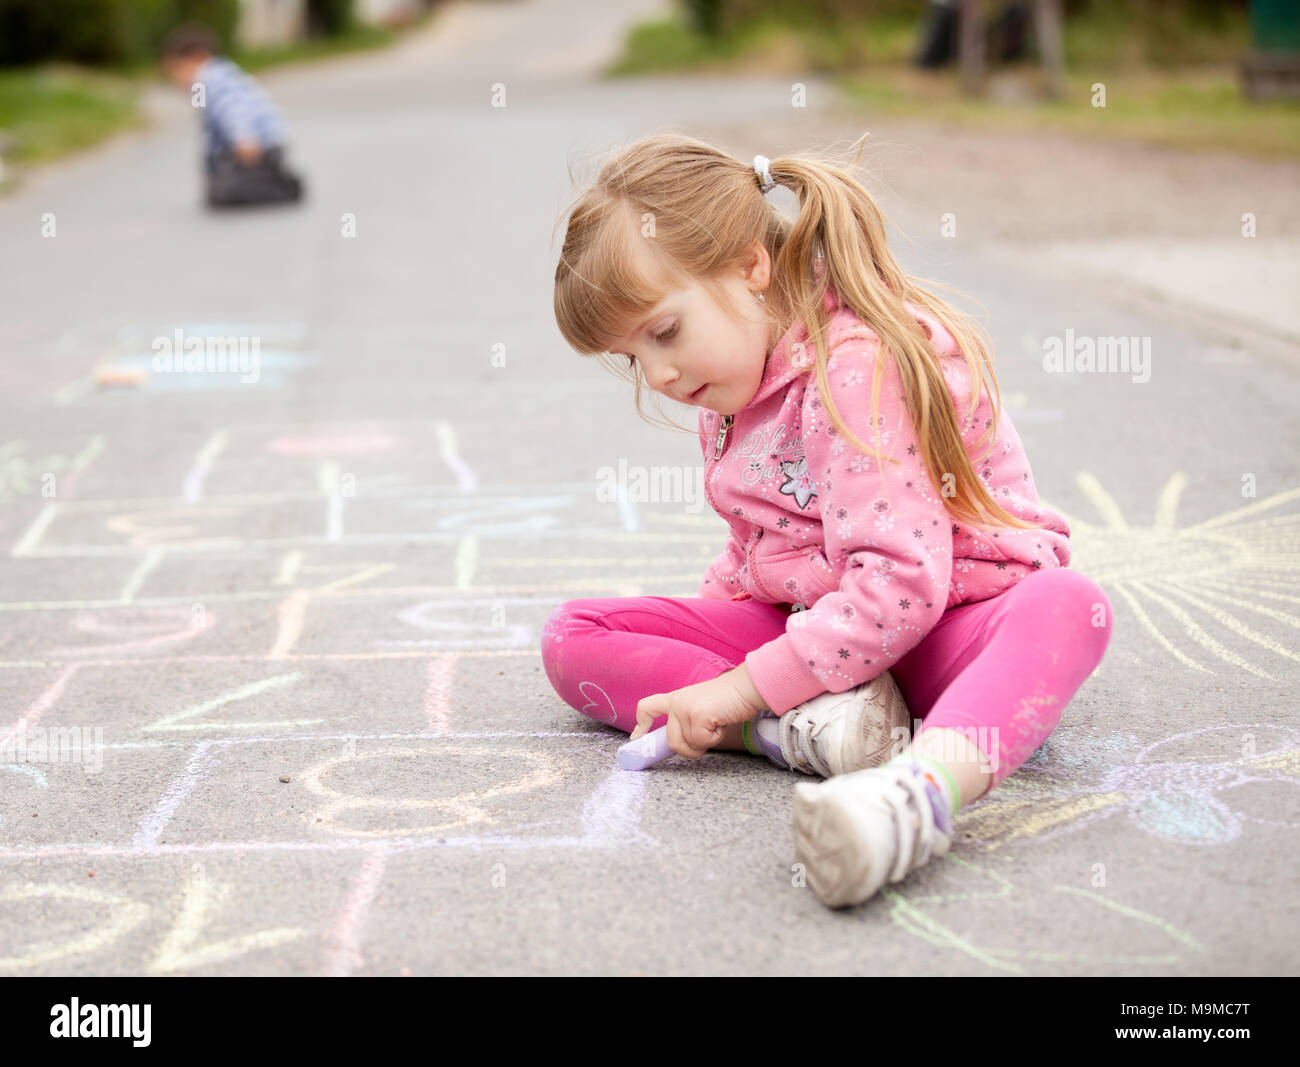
point(128, 32)
point(1156, 32)
point(329, 18)
point(717, 17)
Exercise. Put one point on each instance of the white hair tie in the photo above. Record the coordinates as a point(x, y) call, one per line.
point(762, 167)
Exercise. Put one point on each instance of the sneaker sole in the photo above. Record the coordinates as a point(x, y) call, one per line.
point(830, 845)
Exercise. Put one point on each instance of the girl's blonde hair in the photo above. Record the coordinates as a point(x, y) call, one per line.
point(693, 213)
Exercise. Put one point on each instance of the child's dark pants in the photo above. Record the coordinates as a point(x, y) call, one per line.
point(230, 182)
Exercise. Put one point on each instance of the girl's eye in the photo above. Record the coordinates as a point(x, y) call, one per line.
point(667, 335)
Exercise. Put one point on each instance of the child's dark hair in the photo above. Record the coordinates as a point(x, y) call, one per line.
point(189, 39)
point(704, 210)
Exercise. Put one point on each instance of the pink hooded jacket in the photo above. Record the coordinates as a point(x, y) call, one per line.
point(869, 566)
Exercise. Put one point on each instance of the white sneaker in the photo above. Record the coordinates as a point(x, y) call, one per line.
point(856, 830)
point(835, 733)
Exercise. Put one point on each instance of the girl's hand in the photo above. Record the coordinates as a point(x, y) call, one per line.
point(698, 714)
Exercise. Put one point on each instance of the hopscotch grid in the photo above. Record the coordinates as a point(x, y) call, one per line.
point(609, 817)
point(203, 761)
point(481, 593)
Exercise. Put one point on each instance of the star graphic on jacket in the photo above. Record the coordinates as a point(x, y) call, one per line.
point(800, 483)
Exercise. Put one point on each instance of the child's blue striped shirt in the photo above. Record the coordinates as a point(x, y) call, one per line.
point(236, 108)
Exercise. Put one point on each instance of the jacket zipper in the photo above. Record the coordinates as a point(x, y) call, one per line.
point(717, 453)
point(710, 467)
point(722, 435)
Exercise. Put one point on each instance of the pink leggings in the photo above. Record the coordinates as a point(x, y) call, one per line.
point(1002, 670)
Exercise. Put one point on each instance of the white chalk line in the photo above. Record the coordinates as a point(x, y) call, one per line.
point(610, 815)
point(388, 844)
point(465, 476)
point(626, 509)
point(196, 769)
point(613, 811)
point(466, 561)
point(328, 479)
point(151, 559)
point(289, 567)
point(437, 694)
point(511, 531)
point(179, 720)
point(431, 735)
point(252, 657)
point(192, 487)
point(483, 593)
point(29, 540)
point(502, 492)
point(49, 697)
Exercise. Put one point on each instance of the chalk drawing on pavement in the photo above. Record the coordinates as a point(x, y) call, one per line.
point(1200, 787)
point(1231, 569)
point(1076, 916)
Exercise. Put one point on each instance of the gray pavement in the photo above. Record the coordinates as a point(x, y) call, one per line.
point(304, 611)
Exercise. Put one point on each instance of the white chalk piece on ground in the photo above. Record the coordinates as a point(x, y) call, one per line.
point(645, 751)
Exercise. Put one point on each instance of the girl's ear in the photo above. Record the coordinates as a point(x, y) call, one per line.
point(759, 270)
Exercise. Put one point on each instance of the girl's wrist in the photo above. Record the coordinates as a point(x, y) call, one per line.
point(740, 678)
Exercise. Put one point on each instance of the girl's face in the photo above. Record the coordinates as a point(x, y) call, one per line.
point(694, 351)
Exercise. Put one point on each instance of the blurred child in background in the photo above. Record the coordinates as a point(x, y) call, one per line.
point(244, 135)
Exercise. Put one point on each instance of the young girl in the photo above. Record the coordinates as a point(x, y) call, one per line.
point(875, 538)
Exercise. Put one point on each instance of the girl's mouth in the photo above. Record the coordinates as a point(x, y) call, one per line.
point(696, 395)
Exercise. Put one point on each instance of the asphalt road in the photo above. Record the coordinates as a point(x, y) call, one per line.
point(301, 613)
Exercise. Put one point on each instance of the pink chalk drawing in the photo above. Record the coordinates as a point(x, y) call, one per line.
point(144, 629)
point(356, 443)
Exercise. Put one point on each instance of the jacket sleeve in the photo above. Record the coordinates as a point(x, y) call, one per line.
point(889, 530)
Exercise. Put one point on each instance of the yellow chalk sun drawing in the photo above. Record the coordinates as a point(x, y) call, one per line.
point(1230, 571)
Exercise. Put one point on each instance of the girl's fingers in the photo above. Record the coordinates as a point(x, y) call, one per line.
point(647, 710)
point(677, 740)
point(643, 719)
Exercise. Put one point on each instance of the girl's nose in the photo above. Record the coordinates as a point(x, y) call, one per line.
point(665, 378)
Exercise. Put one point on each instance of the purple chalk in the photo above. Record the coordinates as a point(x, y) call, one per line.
point(645, 751)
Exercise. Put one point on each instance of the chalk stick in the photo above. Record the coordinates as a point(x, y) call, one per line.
point(645, 751)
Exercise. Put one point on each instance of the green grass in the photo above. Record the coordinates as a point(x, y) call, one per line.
point(669, 45)
point(1166, 82)
point(356, 40)
point(1201, 110)
point(54, 109)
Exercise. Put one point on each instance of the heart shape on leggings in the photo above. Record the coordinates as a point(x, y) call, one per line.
point(610, 716)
